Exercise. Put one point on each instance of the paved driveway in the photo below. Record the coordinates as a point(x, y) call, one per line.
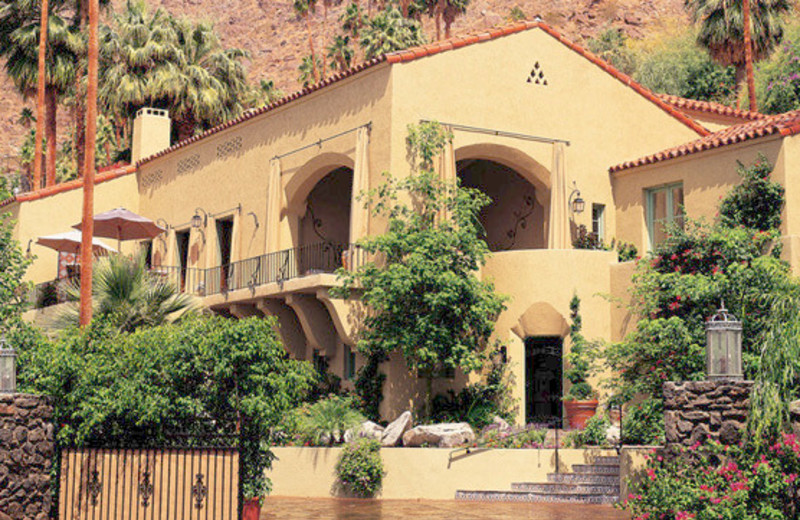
point(340, 509)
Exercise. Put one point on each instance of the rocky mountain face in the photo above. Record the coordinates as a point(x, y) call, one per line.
point(277, 39)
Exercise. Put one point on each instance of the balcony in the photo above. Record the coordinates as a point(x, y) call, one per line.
point(277, 267)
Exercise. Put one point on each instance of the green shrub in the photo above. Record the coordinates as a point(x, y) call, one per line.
point(329, 418)
point(478, 403)
point(360, 468)
point(108, 388)
point(643, 423)
point(581, 358)
point(756, 202)
point(678, 66)
point(611, 45)
point(530, 438)
point(626, 251)
point(594, 434)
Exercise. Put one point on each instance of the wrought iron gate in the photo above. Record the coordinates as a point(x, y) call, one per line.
point(149, 484)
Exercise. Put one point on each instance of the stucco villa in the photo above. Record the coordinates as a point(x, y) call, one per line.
point(534, 116)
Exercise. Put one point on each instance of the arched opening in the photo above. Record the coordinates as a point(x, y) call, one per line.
point(324, 227)
point(516, 218)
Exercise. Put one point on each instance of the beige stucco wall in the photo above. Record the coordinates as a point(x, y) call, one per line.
point(707, 177)
point(424, 473)
point(57, 214)
point(485, 85)
point(231, 168)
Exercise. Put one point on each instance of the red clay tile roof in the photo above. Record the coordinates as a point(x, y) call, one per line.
point(435, 48)
point(782, 124)
point(102, 176)
point(709, 107)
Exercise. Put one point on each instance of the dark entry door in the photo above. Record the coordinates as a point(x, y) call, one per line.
point(543, 383)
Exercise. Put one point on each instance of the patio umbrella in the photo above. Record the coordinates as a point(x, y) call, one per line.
point(70, 242)
point(123, 225)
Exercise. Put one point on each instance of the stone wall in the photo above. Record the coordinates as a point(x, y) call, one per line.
point(26, 455)
point(698, 410)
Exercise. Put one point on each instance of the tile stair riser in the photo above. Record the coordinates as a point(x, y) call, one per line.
point(511, 496)
point(564, 487)
point(584, 478)
point(600, 469)
point(606, 460)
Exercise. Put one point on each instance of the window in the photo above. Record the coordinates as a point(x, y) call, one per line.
point(599, 221)
point(664, 207)
point(349, 363)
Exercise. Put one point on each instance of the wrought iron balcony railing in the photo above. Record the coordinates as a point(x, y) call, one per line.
point(275, 267)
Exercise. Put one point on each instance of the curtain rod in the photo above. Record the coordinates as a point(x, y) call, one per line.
point(499, 133)
point(320, 141)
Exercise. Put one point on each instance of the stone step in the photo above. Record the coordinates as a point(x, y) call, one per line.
point(584, 478)
point(600, 469)
point(531, 496)
point(566, 487)
point(607, 460)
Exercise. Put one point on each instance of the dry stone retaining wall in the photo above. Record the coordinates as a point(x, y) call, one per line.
point(698, 410)
point(26, 455)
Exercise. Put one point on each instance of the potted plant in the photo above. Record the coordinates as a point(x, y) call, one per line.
point(254, 459)
point(580, 401)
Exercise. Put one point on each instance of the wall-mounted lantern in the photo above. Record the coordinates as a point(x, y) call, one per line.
point(724, 346)
point(8, 367)
point(199, 221)
point(575, 201)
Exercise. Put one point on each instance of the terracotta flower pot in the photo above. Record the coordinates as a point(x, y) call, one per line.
point(578, 412)
point(251, 509)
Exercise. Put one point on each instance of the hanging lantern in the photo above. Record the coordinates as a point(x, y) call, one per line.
point(8, 368)
point(724, 346)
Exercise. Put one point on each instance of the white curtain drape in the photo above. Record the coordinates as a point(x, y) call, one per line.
point(447, 167)
point(275, 206)
point(559, 235)
point(359, 215)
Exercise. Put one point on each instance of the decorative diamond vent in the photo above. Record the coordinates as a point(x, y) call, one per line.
point(536, 76)
point(229, 147)
point(190, 163)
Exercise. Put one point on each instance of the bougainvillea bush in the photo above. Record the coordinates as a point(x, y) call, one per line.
point(712, 481)
point(685, 279)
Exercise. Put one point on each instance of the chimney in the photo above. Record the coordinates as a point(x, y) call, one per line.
point(151, 133)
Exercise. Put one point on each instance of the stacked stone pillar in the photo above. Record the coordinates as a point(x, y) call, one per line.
point(695, 411)
point(26, 456)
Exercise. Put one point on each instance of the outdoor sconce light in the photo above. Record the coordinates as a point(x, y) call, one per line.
point(28, 253)
point(163, 223)
point(575, 201)
point(197, 220)
point(724, 346)
point(8, 368)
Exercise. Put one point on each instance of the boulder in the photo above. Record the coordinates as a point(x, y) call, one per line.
point(371, 430)
point(393, 434)
point(446, 435)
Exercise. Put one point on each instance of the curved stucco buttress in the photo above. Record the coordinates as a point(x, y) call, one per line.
point(541, 319)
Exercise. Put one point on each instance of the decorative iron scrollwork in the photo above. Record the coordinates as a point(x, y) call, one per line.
point(145, 488)
point(521, 220)
point(94, 487)
point(199, 491)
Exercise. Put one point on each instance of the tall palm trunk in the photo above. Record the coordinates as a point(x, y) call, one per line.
point(80, 103)
point(40, 91)
point(748, 56)
point(87, 223)
point(51, 131)
point(314, 70)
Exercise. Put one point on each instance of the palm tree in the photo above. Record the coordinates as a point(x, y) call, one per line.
point(307, 67)
point(128, 295)
point(174, 64)
point(340, 53)
point(22, 66)
point(352, 20)
point(389, 31)
point(442, 11)
point(304, 9)
point(40, 105)
point(87, 219)
point(722, 29)
point(265, 93)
